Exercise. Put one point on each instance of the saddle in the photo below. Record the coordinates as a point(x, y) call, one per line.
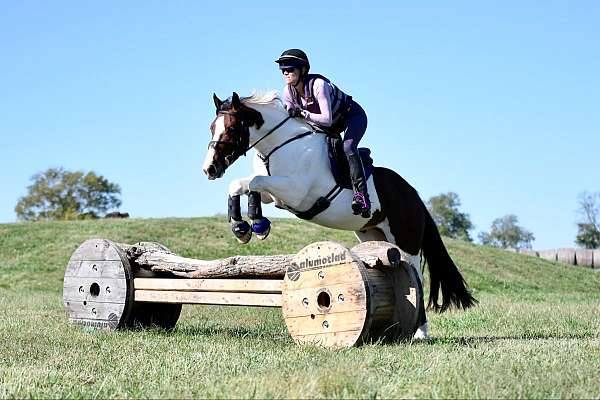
point(339, 163)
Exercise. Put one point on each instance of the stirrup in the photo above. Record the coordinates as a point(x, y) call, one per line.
point(361, 205)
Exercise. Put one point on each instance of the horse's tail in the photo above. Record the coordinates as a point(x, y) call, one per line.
point(443, 273)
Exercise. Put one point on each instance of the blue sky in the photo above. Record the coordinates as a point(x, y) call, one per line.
point(496, 101)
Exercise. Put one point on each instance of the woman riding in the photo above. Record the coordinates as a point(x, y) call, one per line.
point(314, 98)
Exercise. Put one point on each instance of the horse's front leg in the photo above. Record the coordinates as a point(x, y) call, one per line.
point(261, 226)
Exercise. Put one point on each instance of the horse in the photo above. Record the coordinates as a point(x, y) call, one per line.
point(291, 168)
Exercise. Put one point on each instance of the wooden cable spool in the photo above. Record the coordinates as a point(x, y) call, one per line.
point(329, 295)
point(585, 257)
point(566, 256)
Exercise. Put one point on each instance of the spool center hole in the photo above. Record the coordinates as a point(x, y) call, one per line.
point(324, 300)
point(95, 289)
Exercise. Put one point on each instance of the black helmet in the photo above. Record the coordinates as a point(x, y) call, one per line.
point(293, 58)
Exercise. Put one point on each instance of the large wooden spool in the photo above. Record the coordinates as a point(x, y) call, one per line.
point(99, 292)
point(329, 295)
point(566, 256)
point(331, 298)
point(584, 257)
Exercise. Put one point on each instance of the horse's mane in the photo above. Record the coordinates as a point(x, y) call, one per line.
point(270, 97)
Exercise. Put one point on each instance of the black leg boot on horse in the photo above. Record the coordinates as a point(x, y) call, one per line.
point(261, 226)
point(360, 201)
point(240, 228)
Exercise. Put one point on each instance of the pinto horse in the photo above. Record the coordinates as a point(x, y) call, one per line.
point(291, 168)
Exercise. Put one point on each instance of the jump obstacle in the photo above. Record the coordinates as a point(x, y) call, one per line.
point(329, 295)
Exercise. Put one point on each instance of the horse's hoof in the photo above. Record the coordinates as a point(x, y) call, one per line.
point(262, 228)
point(242, 231)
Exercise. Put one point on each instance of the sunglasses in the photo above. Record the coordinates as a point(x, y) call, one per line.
point(288, 70)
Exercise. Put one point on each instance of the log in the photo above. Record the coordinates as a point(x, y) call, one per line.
point(150, 256)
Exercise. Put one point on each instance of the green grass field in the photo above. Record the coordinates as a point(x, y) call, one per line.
point(535, 333)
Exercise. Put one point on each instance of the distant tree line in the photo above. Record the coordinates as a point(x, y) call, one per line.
point(58, 194)
point(505, 231)
point(452, 222)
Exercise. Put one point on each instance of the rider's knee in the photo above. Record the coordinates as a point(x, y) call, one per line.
point(350, 146)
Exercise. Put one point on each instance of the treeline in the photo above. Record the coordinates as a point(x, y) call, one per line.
point(505, 231)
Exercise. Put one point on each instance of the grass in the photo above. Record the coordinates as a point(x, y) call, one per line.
point(534, 333)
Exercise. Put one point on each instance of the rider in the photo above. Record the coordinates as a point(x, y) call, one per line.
point(320, 102)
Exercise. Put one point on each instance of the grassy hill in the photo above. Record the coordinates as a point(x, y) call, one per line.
point(534, 334)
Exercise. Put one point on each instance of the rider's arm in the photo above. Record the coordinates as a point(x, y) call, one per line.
point(287, 98)
point(322, 93)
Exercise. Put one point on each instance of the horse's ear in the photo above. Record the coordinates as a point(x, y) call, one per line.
point(236, 104)
point(218, 102)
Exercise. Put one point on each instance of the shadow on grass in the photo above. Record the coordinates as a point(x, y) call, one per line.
point(476, 340)
point(239, 332)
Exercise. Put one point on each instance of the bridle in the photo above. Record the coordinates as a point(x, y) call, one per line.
point(242, 140)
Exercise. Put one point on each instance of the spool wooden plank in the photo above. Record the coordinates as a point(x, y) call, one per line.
point(566, 256)
point(102, 290)
point(214, 298)
point(549, 255)
point(97, 250)
point(344, 298)
point(210, 285)
point(584, 257)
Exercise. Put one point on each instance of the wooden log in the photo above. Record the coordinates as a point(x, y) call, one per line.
point(377, 254)
point(236, 266)
point(584, 257)
point(566, 256)
point(549, 255)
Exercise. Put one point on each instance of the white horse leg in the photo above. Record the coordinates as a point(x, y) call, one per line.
point(383, 232)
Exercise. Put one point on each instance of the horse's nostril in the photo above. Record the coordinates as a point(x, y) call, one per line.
point(211, 171)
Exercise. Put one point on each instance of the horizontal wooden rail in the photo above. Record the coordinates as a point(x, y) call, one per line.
point(210, 285)
point(216, 298)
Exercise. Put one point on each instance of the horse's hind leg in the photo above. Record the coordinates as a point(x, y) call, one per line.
point(382, 232)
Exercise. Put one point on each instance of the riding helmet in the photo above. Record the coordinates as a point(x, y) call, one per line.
point(293, 58)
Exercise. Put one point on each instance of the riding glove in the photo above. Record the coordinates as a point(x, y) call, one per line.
point(294, 112)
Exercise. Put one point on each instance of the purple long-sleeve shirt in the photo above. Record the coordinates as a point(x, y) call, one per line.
point(318, 111)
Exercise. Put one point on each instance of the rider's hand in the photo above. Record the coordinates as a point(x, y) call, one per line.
point(294, 112)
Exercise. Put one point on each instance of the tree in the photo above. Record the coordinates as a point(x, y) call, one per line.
point(588, 229)
point(444, 209)
point(57, 194)
point(505, 233)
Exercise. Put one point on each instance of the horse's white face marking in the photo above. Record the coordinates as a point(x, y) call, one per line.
point(219, 129)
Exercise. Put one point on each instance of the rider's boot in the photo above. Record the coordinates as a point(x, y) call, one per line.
point(360, 201)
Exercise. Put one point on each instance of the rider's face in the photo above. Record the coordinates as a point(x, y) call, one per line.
point(291, 76)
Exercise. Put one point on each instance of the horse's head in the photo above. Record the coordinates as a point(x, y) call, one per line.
point(230, 134)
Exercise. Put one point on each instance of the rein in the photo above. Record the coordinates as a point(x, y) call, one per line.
point(236, 153)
